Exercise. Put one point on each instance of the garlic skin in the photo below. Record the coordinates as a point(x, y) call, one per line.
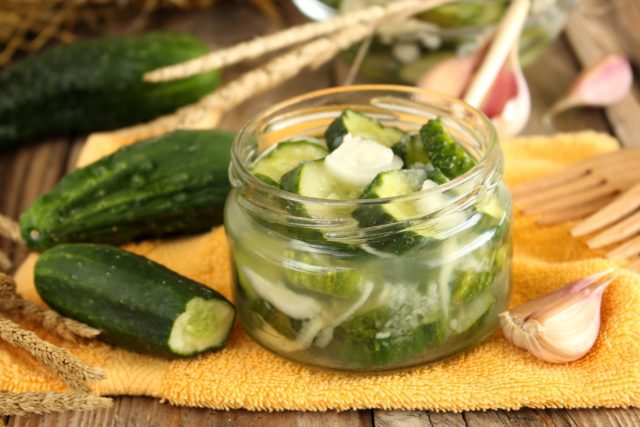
point(602, 84)
point(561, 326)
point(508, 102)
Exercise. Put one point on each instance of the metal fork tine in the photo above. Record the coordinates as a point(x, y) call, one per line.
point(569, 187)
point(576, 213)
point(622, 230)
point(621, 207)
point(573, 201)
point(626, 250)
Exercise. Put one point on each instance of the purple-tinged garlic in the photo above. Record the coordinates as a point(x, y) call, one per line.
point(561, 326)
point(604, 83)
point(492, 79)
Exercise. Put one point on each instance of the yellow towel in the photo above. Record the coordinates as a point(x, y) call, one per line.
point(493, 375)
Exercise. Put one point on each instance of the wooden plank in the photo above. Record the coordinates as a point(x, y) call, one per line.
point(548, 79)
point(417, 419)
point(594, 417)
point(149, 412)
point(612, 30)
point(27, 173)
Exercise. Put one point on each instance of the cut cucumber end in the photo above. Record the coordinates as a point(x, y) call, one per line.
point(204, 325)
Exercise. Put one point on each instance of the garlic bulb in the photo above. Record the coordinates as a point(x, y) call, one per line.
point(561, 326)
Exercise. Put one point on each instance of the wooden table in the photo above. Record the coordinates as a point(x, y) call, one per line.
point(597, 27)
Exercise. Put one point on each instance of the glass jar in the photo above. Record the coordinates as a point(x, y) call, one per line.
point(405, 52)
point(313, 286)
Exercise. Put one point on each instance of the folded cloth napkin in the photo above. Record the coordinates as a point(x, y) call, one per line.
point(492, 375)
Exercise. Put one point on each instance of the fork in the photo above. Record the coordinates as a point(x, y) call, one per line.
point(622, 219)
point(590, 188)
point(581, 189)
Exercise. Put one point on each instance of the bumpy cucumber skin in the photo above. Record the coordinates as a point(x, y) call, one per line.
point(173, 184)
point(397, 240)
point(96, 84)
point(130, 299)
point(356, 340)
point(443, 151)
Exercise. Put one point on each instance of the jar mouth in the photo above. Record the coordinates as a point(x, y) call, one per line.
point(411, 99)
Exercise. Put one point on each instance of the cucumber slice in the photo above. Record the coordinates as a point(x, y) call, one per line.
point(436, 176)
point(469, 284)
point(412, 151)
point(324, 275)
point(357, 161)
point(445, 153)
point(389, 184)
point(406, 324)
point(471, 313)
point(311, 179)
point(466, 13)
point(203, 324)
point(277, 161)
point(351, 122)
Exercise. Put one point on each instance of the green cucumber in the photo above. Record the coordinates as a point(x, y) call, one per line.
point(286, 155)
point(321, 274)
point(469, 284)
point(358, 124)
point(176, 183)
point(96, 84)
point(390, 184)
point(437, 176)
point(311, 179)
point(469, 315)
point(443, 151)
point(411, 150)
point(466, 13)
point(134, 302)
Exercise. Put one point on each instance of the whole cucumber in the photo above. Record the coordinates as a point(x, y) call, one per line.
point(173, 184)
point(135, 303)
point(96, 84)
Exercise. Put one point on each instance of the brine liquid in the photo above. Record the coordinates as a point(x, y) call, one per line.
point(361, 307)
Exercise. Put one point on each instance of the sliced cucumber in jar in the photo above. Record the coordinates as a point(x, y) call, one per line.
point(469, 315)
point(469, 284)
point(412, 151)
point(312, 179)
point(286, 155)
point(320, 274)
point(351, 122)
point(443, 151)
point(436, 175)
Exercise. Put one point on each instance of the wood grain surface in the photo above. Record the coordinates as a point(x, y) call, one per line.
point(596, 27)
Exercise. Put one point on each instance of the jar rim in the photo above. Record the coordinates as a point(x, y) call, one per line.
point(483, 167)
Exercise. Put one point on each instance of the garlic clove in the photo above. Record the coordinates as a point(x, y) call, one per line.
point(507, 103)
point(451, 76)
point(561, 326)
point(602, 84)
point(512, 114)
point(492, 79)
